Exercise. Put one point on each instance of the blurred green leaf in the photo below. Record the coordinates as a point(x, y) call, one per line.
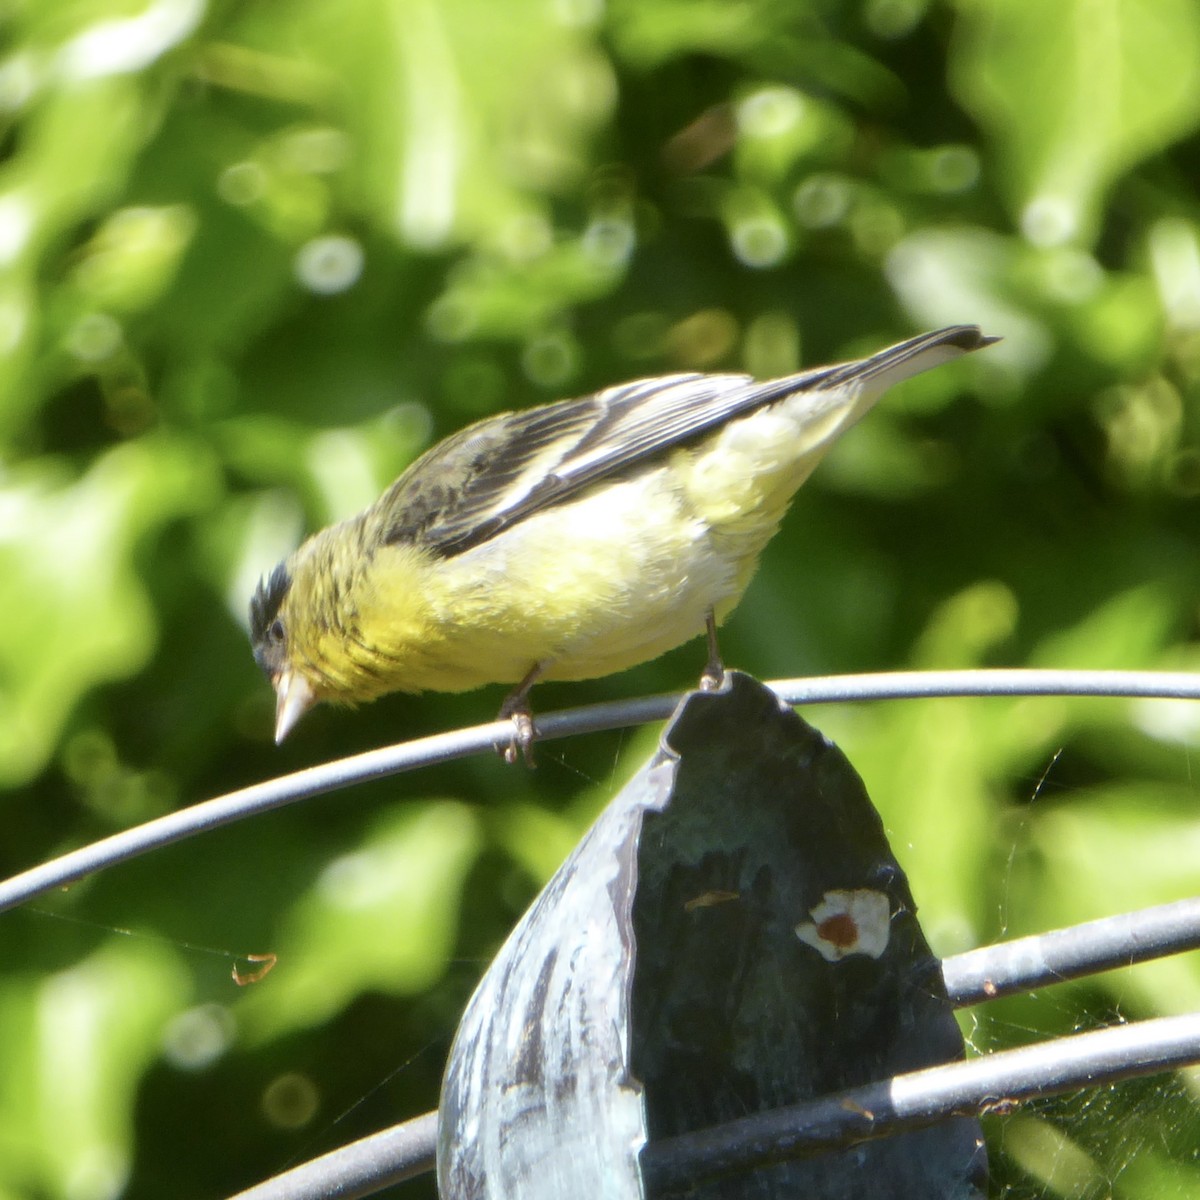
point(1152, 833)
point(1075, 93)
point(78, 613)
point(132, 258)
point(382, 916)
point(648, 34)
point(1124, 632)
point(69, 1131)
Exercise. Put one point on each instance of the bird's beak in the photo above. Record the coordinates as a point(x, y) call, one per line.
point(294, 697)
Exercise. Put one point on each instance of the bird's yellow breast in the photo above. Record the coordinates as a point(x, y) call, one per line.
point(609, 579)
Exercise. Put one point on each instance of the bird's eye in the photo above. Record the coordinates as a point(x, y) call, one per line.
point(276, 632)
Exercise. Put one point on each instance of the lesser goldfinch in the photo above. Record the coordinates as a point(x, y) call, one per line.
point(567, 541)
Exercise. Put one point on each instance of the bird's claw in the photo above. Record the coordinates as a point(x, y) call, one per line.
point(516, 707)
point(522, 738)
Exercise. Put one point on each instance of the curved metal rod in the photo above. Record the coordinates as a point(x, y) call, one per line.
point(1031, 962)
point(876, 1110)
point(922, 1098)
point(363, 1168)
point(381, 1159)
point(445, 747)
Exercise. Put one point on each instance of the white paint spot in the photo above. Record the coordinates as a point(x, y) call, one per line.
point(848, 922)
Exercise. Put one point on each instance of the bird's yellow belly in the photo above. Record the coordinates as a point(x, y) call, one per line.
point(588, 588)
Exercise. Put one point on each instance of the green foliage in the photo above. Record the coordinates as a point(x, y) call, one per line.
point(1075, 96)
point(254, 258)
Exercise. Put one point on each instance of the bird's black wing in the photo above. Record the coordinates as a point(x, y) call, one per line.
point(490, 475)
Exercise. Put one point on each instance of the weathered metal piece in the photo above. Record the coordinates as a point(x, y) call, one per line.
point(732, 935)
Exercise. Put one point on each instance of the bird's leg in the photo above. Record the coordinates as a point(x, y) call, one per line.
point(714, 670)
point(516, 707)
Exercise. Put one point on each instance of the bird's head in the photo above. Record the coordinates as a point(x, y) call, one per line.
point(273, 642)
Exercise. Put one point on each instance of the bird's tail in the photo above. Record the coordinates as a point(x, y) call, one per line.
point(767, 455)
point(909, 358)
point(832, 399)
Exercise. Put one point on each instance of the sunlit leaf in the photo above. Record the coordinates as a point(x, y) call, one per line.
point(77, 613)
point(1074, 94)
point(77, 1044)
point(381, 917)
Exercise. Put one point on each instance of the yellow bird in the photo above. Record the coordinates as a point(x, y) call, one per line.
point(567, 541)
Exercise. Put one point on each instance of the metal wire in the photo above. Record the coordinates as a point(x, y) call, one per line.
point(1045, 958)
point(363, 1168)
point(445, 747)
point(922, 1098)
point(373, 1163)
point(829, 1123)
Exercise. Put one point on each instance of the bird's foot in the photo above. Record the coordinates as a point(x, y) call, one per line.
point(522, 738)
point(517, 709)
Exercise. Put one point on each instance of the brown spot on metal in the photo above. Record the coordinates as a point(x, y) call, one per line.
point(840, 930)
point(710, 900)
point(1002, 1106)
point(850, 1106)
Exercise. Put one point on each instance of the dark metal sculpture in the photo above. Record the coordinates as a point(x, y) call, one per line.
point(733, 935)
